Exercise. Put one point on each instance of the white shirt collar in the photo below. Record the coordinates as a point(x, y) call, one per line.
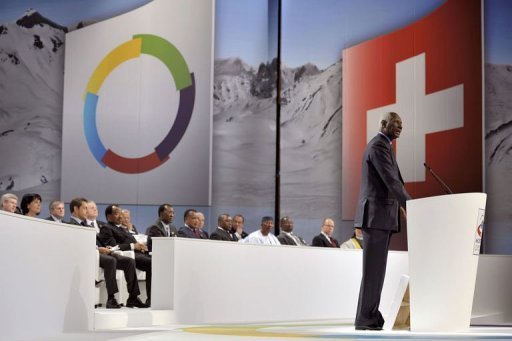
point(326, 236)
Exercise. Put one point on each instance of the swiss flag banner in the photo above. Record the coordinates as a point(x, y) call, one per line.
point(430, 73)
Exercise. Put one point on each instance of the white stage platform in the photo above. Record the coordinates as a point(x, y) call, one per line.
point(311, 330)
point(52, 287)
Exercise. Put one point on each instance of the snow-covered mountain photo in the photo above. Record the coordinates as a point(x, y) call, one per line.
point(311, 142)
point(244, 137)
point(244, 128)
point(498, 147)
point(31, 70)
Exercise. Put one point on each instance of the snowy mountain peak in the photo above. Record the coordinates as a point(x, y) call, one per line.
point(305, 70)
point(32, 18)
point(30, 11)
point(231, 66)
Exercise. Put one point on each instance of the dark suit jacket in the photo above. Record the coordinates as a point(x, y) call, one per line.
point(98, 241)
point(382, 188)
point(112, 235)
point(50, 218)
point(220, 234)
point(186, 232)
point(321, 241)
point(158, 230)
point(285, 239)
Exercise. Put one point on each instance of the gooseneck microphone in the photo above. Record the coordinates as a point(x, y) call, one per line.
point(438, 179)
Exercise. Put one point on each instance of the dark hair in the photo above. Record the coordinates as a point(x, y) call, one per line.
point(239, 215)
point(110, 209)
point(284, 219)
point(221, 217)
point(26, 200)
point(266, 218)
point(188, 212)
point(162, 208)
point(76, 202)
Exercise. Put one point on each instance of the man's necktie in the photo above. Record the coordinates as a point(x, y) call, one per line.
point(296, 239)
point(196, 232)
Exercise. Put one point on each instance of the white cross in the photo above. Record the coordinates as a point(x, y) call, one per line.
point(421, 114)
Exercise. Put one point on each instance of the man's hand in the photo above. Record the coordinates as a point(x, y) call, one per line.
point(140, 247)
point(104, 250)
point(403, 213)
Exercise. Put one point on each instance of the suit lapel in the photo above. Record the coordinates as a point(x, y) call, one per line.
point(161, 227)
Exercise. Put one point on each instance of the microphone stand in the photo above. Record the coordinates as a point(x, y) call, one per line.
point(438, 179)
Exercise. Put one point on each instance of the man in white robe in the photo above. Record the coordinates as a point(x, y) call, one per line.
point(263, 235)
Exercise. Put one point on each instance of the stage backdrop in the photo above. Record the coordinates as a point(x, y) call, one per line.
point(430, 73)
point(137, 106)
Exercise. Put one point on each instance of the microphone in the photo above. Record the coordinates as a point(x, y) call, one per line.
point(438, 179)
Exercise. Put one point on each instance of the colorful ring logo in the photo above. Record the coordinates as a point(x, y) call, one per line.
point(185, 83)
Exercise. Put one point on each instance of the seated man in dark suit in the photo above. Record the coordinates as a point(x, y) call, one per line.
point(127, 221)
point(114, 234)
point(202, 220)
point(57, 211)
point(81, 210)
point(191, 228)
point(162, 227)
point(287, 237)
point(223, 230)
point(237, 227)
point(325, 239)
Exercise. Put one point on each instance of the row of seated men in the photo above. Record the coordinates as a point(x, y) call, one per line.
point(117, 234)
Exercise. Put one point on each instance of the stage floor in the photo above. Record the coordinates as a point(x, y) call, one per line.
point(319, 330)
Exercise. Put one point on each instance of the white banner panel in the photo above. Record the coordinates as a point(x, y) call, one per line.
point(137, 106)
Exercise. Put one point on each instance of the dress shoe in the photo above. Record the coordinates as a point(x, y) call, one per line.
point(370, 327)
point(112, 304)
point(135, 303)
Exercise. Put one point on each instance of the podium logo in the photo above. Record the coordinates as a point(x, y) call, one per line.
point(168, 54)
point(430, 73)
point(479, 231)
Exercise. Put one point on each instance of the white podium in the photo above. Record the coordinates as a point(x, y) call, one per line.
point(444, 235)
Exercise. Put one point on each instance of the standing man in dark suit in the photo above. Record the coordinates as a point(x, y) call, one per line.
point(57, 211)
point(382, 197)
point(286, 236)
point(114, 234)
point(222, 232)
point(162, 227)
point(325, 239)
point(192, 224)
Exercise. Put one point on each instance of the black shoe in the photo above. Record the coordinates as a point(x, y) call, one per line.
point(112, 304)
point(135, 303)
point(370, 327)
point(148, 302)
